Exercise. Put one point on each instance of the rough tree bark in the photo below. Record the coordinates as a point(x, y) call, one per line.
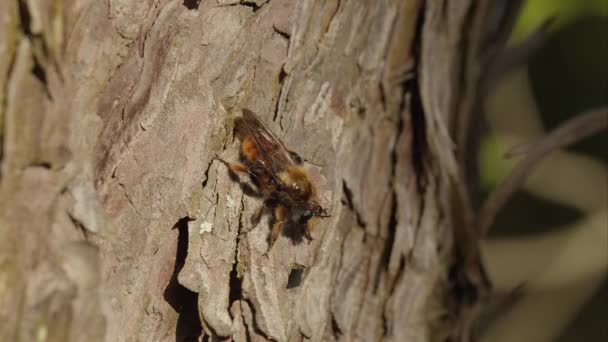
point(117, 225)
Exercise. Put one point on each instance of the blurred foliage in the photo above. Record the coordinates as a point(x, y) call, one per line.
point(589, 325)
point(570, 75)
point(567, 76)
point(535, 12)
point(493, 164)
point(521, 217)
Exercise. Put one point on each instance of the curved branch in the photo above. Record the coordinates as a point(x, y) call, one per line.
point(581, 126)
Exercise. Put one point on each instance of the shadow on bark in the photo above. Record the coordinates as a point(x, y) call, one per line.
point(182, 300)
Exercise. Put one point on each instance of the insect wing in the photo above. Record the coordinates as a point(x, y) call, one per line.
point(273, 154)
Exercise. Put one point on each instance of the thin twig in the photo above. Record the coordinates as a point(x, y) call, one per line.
point(575, 129)
point(512, 57)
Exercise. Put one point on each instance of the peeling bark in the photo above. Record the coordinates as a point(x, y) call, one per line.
point(119, 225)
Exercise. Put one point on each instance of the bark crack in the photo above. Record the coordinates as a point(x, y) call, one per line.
point(333, 15)
point(181, 299)
point(25, 19)
point(206, 174)
point(147, 26)
point(79, 225)
point(236, 279)
point(282, 75)
point(392, 286)
point(418, 122)
point(335, 327)
point(253, 4)
point(254, 325)
point(393, 219)
point(419, 143)
point(247, 332)
point(348, 201)
point(39, 46)
point(281, 33)
point(126, 193)
point(388, 243)
point(12, 58)
point(410, 103)
point(419, 150)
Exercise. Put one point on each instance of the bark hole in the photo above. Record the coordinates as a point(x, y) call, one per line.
point(42, 164)
point(192, 4)
point(181, 299)
point(295, 276)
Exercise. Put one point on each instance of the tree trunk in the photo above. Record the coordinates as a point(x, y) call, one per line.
point(118, 225)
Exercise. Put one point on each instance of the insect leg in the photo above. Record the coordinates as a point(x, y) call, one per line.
point(307, 231)
point(280, 213)
point(255, 218)
point(235, 167)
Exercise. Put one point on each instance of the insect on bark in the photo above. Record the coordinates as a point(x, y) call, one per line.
point(278, 176)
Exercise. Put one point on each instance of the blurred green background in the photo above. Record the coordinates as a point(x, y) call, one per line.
point(551, 240)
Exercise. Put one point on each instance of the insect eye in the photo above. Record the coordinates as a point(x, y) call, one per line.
point(296, 157)
point(306, 215)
